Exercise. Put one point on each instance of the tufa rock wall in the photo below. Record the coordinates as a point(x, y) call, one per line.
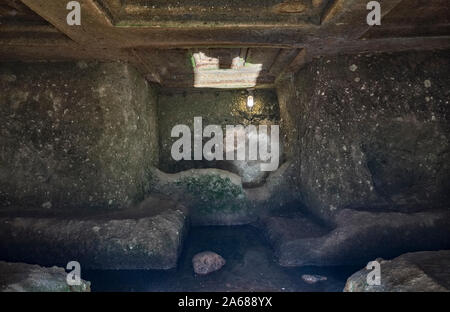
point(369, 131)
point(75, 134)
point(216, 108)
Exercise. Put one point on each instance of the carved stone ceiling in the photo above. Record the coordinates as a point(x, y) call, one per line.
point(217, 44)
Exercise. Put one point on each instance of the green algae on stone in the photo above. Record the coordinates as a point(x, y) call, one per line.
point(214, 193)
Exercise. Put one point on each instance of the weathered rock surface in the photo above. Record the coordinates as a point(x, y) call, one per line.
point(366, 130)
point(75, 135)
point(22, 277)
point(357, 236)
point(97, 242)
point(207, 262)
point(425, 271)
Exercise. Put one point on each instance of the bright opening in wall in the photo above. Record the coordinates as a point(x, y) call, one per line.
point(230, 71)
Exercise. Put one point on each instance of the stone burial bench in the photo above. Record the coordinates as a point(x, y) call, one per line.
point(118, 240)
point(356, 237)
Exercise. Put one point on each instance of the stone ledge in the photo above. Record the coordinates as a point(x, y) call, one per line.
point(144, 243)
point(358, 236)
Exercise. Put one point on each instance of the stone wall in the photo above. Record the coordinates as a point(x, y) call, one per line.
point(224, 107)
point(369, 131)
point(75, 135)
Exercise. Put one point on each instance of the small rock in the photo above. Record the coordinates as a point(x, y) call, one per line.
point(207, 262)
point(353, 68)
point(312, 279)
point(47, 205)
point(96, 228)
point(427, 83)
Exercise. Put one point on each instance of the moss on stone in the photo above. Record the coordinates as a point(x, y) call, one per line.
point(214, 193)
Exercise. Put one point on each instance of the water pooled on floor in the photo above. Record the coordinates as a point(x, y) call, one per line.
point(250, 267)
